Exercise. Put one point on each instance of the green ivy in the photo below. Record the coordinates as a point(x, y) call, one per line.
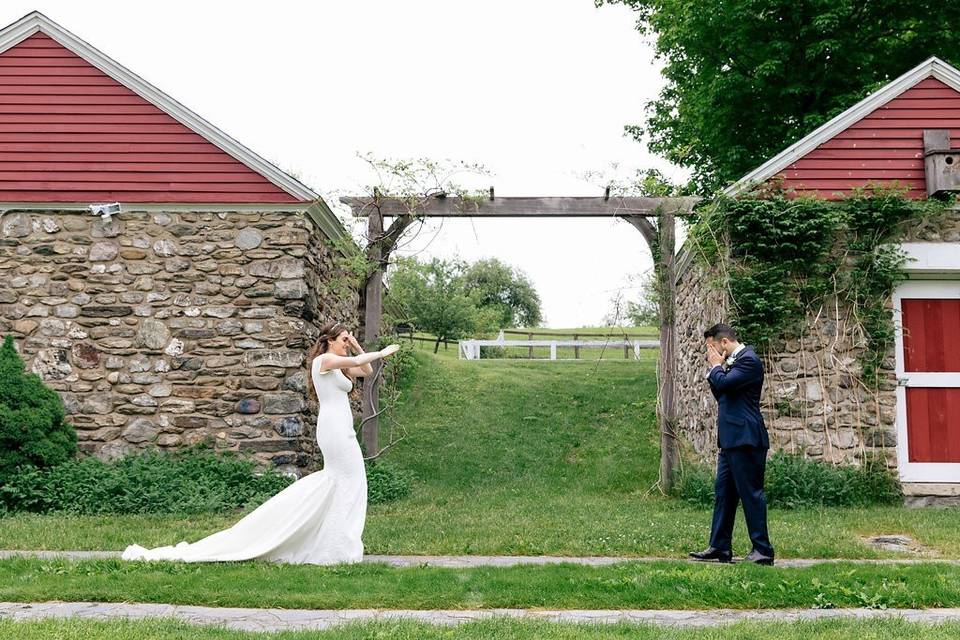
point(783, 256)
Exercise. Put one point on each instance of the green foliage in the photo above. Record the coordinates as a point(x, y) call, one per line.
point(400, 368)
point(34, 431)
point(431, 296)
point(507, 290)
point(794, 481)
point(387, 482)
point(190, 481)
point(785, 256)
point(746, 79)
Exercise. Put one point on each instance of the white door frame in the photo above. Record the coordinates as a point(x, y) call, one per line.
point(935, 289)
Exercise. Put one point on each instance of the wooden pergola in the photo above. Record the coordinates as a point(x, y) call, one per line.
point(641, 212)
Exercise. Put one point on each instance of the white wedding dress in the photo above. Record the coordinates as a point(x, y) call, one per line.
point(316, 520)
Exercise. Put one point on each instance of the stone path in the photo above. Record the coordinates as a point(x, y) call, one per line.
point(462, 562)
point(306, 619)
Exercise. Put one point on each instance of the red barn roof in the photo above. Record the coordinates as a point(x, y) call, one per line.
point(75, 126)
point(878, 140)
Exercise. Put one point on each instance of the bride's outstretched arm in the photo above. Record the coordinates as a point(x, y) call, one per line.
point(333, 361)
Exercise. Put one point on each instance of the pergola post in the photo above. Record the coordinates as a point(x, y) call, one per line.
point(661, 240)
point(373, 312)
point(666, 402)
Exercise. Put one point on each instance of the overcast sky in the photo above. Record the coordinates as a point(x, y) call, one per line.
point(537, 91)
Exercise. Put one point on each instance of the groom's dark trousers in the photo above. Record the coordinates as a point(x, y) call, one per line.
point(743, 443)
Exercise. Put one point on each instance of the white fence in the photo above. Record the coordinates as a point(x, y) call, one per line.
point(470, 349)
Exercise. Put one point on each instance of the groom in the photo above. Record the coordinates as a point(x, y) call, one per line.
point(736, 379)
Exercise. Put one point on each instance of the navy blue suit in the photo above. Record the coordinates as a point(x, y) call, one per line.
point(743, 442)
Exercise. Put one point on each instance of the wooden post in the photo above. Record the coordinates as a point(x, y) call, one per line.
point(576, 349)
point(373, 311)
point(530, 349)
point(667, 365)
point(662, 242)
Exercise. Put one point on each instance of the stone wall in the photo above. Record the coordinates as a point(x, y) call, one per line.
point(813, 401)
point(701, 302)
point(169, 328)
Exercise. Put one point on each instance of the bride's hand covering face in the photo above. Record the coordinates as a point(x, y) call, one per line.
point(353, 343)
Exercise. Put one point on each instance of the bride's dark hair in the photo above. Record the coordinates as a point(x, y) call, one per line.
point(328, 331)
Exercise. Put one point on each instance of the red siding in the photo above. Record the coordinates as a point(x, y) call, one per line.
point(884, 146)
point(70, 133)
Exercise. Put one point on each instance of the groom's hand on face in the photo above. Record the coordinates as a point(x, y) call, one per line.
point(714, 357)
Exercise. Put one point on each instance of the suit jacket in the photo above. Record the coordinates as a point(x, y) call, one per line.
point(737, 390)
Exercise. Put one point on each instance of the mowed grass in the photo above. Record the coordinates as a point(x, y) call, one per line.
point(500, 629)
point(637, 585)
point(514, 457)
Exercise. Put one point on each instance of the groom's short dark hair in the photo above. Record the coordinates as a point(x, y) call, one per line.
point(719, 331)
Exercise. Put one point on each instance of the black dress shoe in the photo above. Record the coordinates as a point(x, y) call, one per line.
point(758, 558)
point(712, 554)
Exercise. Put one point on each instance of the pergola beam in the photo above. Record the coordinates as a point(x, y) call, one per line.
point(520, 207)
point(638, 211)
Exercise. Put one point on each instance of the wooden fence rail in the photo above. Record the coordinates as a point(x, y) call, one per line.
point(627, 341)
point(470, 349)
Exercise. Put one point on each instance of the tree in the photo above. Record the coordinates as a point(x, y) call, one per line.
point(505, 290)
point(747, 78)
point(34, 430)
point(642, 313)
point(432, 298)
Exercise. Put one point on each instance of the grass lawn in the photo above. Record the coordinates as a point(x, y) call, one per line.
point(499, 629)
point(514, 457)
point(648, 585)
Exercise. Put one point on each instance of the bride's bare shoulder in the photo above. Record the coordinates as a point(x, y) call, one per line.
point(318, 365)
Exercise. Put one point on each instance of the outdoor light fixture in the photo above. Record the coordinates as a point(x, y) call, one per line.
point(105, 210)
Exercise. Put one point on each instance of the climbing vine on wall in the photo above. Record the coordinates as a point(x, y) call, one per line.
point(782, 258)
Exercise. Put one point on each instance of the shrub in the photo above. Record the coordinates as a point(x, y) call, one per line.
point(492, 352)
point(34, 431)
point(399, 368)
point(188, 481)
point(386, 482)
point(793, 481)
point(694, 484)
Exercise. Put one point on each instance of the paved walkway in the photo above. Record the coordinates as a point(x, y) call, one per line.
point(461, 562)
point(306, 619)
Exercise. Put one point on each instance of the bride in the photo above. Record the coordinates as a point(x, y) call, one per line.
point(319, 518)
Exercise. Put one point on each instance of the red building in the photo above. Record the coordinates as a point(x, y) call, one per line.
point(185, 316)
point(908, 134)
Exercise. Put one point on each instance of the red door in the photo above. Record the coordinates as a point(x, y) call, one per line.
point(931, 344)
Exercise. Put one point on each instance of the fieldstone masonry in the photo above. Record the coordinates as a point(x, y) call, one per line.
point(169, 328)
point(813, 400)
